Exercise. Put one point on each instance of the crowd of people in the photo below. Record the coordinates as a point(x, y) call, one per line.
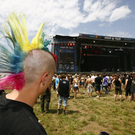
point(64, 85)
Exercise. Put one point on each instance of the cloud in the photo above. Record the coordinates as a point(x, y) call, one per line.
point(101, 25)
point(99, 10)
point(65, 14)
point(104, 10)
point(56, 14)
point(120, 13)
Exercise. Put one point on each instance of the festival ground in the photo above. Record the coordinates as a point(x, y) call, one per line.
point(89, 116)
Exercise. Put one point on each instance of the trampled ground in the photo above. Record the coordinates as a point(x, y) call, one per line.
point(89, 116)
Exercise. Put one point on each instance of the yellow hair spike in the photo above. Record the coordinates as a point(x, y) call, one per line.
point(20, 33)
point(37, 40)
point(19, 30)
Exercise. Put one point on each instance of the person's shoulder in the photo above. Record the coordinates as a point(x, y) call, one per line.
point(24, 120)
point(31, 124)
point(38, 128)
point(32, 127)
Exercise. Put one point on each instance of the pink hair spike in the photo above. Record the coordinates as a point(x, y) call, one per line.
point(13, 81)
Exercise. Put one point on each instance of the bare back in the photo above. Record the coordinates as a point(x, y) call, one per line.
point(89, 81)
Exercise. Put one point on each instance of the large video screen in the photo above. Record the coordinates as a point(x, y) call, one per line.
point(67, 58)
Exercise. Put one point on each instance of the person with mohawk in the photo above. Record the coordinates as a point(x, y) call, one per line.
point(31, 67)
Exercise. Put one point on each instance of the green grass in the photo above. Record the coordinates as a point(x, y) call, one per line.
point(89, 116)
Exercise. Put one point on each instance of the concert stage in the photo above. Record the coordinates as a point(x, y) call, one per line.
point(87, 53)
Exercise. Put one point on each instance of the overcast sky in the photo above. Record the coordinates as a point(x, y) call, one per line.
point(71, 17)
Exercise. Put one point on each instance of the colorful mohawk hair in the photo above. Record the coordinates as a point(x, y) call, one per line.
point(12, 57)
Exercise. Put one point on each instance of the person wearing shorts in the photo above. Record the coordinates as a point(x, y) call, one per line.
point(89, 86)
point(128, 87)
point(117, 83)
point(64, 92)
point(97, 85)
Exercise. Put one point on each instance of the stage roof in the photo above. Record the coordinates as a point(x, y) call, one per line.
point(98, 40)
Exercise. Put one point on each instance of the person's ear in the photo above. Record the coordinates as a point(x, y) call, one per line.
point(43, 78)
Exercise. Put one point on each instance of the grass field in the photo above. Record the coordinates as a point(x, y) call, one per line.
point(89, 116)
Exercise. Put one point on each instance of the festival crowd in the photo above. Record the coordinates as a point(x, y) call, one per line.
point(64, 85)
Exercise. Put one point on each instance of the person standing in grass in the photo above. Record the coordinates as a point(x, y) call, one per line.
point(76, 85)
point(101, 84)
point(97, 85)
point(105, 84)
point(93, 79)
point(109, 82)
point(64, 92)
point(56, 83)
point(117, 83)
point(89, 86)
point(128, 87)
point(45, 98)
point(71, 83)
point(82, 80)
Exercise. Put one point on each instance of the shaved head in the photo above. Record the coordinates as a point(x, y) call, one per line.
point(36, 64)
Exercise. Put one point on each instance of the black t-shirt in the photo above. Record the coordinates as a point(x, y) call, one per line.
point(117, 85)
point(129, 83)
point(98, 81)
point(18, 118)
point(64, 88)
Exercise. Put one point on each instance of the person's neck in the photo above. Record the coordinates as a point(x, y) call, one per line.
point(27, 96)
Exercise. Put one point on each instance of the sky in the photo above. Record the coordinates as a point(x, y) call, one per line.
point(71, 17)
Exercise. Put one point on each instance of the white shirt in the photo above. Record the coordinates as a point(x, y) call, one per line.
point(93, 78)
